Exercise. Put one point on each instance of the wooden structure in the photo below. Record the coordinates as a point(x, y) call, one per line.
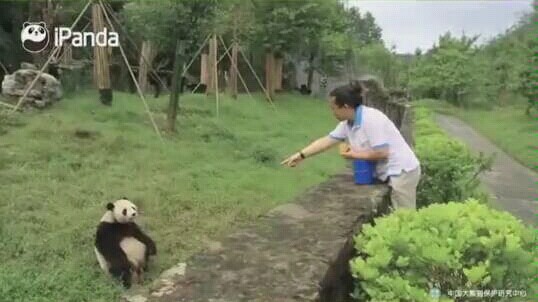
point(101, 66)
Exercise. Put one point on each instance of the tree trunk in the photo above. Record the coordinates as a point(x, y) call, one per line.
point(147, 54)
point(101, 60)
point(174, 95)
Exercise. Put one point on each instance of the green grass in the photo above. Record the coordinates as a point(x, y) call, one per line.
point(210, 177)
point(507, 127)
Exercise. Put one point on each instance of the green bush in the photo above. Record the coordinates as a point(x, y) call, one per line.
point(449, 170)
point(454, 246)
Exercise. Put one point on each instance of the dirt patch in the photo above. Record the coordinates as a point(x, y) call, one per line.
point(85, 134)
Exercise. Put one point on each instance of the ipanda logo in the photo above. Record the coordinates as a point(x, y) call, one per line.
point(35, 37)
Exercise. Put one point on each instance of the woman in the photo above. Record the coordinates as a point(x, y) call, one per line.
point(372, 136)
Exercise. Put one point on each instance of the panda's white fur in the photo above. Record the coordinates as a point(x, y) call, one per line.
point(118, 230)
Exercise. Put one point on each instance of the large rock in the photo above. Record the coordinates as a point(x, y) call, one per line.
point(46, 90)
point(25, 65)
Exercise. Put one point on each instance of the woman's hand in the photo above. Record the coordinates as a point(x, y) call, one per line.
point(346, 152)
point(350, 154)
point(293, 160)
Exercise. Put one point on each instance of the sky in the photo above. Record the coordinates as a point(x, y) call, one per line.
point(418, 24)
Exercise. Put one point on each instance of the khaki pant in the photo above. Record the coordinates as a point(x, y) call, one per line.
point(404, 189)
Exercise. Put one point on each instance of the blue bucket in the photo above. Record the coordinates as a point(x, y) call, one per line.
point(363, 171)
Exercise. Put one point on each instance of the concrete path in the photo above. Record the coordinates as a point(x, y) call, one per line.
point(513, 185)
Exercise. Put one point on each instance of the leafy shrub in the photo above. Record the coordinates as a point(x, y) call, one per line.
point(449, 170)
point(454, 246)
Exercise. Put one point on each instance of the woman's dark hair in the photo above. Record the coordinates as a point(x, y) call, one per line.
point(350, 94)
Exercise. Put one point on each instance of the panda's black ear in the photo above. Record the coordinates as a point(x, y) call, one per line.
point(110, 206)
point(43, 24)
point(125, 198)
point(25, 24)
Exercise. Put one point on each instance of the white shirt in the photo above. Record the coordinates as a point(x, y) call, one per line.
point(372, 129)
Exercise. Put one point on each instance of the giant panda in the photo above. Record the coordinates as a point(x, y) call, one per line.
point(122, 249)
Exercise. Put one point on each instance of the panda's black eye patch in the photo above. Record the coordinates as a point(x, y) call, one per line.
point(30, 30)
point(124, 212)
point(41, 30)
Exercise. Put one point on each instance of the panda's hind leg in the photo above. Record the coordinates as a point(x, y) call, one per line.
point(140, 275)
point(122, 273)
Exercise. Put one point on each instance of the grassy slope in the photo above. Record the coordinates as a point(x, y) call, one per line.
point(204, 180)
point(508, 127)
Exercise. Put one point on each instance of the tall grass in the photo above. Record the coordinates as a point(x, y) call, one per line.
point(59, 167)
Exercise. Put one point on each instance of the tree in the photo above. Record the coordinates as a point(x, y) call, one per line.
point(363, 29)
point(286, 27)
point(446, 72)
point(162, 24)
point(378, 60)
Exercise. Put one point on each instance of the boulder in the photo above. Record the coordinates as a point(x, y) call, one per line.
point(45, 91)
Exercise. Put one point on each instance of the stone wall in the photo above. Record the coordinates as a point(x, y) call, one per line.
point(396, 106)
point(394, 103)
point(294, 253)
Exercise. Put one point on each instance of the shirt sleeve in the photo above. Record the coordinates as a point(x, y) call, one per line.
point(378, 132)
point(340, 132)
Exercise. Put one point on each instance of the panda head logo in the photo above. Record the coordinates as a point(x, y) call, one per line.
point(34, 36)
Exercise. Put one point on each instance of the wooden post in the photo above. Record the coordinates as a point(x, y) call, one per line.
point(214, 64)
point(233, 65)
point(147, 54)
point(278, 74)
point(269, 71)
point(233, 72)
point(211, 64)
point(174, 95)
point(101, 66)
point(204, 74)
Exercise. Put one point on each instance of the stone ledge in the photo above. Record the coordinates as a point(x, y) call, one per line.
point(283, 256)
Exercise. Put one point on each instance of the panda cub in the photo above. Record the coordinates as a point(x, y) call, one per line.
point(122, 249)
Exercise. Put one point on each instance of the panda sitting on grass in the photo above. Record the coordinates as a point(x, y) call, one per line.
point(122, 249)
